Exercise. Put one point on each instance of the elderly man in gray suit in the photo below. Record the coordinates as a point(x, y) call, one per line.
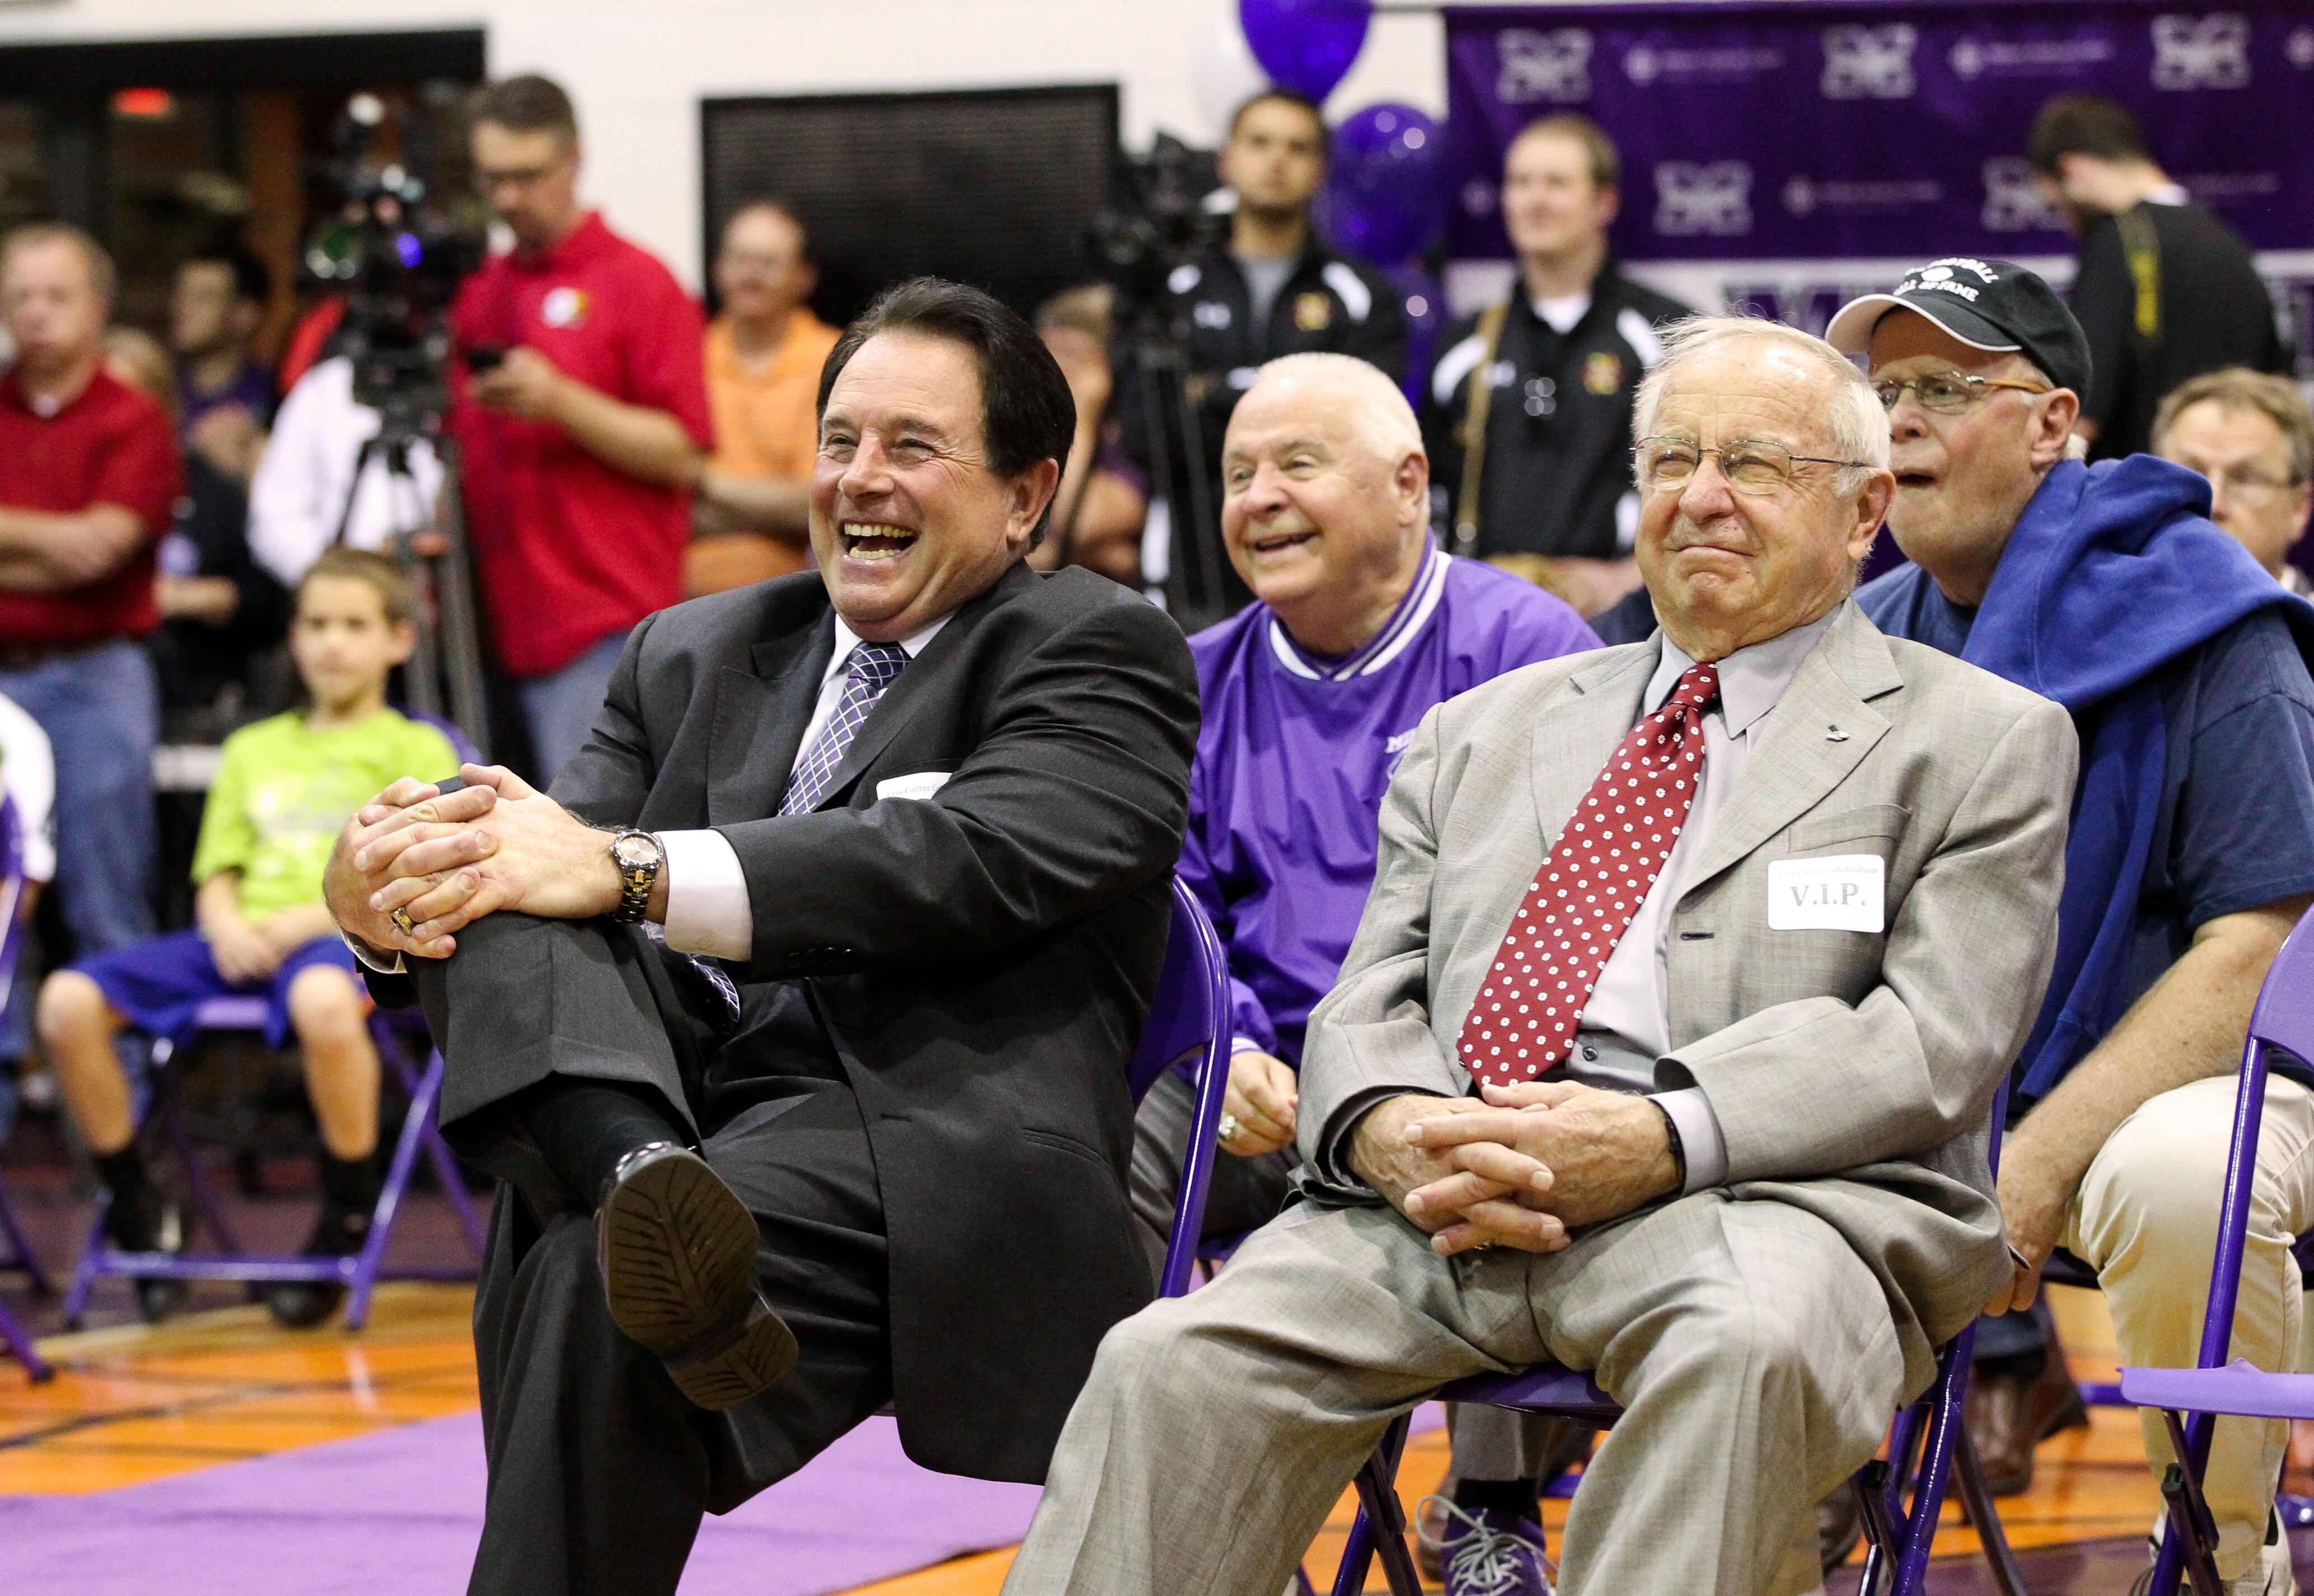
point(1665, 1051)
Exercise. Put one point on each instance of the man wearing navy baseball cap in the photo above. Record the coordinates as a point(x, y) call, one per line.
point(2107, 588)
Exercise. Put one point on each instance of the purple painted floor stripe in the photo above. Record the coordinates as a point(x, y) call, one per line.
point(400, 1511)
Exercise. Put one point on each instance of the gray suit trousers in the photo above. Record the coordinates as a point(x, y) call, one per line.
point(1752, 1349)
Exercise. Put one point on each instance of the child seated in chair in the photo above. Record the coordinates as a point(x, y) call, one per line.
point(283, 790)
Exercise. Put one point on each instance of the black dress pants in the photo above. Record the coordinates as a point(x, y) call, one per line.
point(600, 1470)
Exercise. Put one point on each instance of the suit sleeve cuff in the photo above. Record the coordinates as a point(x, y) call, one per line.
point(1693, 1115)
point(708, 909)
point(384, 961)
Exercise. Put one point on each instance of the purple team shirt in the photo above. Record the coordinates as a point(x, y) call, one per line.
point(1293, 759)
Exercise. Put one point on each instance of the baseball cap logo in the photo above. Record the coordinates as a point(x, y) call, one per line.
point(1936, 273)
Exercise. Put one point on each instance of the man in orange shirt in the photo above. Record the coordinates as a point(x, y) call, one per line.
point(764, 356)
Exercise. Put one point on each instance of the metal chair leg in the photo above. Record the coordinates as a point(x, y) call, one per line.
point(1985, 1516)
point(2191, 1538)
point(21, 1254)
point(1379, 1528)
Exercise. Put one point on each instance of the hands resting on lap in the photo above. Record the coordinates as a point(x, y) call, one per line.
point(446, 859)
point(1518, 1168)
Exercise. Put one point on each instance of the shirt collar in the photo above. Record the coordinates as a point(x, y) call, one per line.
point(847, 640)
point(1413, 612)
point(1751, 680)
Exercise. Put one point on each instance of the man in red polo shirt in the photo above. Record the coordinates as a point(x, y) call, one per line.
point(581, 408)
point(88, 480)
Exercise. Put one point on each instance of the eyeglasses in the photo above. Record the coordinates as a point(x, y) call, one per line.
point(1946, 392)
point(514, 177)
point(2243, 481)
point(1750, 465)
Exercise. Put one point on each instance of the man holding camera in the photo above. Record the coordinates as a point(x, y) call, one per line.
point(580, 407)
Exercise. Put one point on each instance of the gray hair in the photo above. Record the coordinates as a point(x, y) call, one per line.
point(1383, 416)
point(1852, 416)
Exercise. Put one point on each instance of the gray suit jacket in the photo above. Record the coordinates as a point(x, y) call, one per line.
point(1852, 1072)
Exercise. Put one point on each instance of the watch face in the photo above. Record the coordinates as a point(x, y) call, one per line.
point(634, 851)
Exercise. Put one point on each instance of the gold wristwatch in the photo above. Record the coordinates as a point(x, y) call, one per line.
point(639, 858)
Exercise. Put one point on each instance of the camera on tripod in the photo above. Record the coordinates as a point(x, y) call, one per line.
point(397, 261)
point(1164, 222)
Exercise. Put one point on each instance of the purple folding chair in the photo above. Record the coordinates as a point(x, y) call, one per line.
point(19, 1256)
point(1923, 1446)
point(1188, 1028)
point(2190, 1399)
point(393, 1033)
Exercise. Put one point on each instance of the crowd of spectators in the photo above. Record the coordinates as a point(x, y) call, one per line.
point(167, 511)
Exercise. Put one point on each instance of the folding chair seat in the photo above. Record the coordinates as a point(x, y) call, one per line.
point(2282, 1022)
point(1925, 1444)
point(396, 1036)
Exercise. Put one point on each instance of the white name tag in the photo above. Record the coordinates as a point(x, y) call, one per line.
point(1843, 892)
point(920, 786)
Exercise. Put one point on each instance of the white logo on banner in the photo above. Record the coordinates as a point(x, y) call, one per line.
point(2029, 57)
point(1478, 197)
point(1868, 63)
point(2013, 200)
point(2301, 49)
point(1536, 66)
point(1696, 197)
point(2210, 52)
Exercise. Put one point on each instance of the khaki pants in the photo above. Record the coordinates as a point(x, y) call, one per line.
point(2146, 1219)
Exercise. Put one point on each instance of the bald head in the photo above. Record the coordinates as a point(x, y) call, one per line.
point(1326, 497)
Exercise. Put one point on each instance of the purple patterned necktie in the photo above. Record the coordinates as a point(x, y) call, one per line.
point(870, 668)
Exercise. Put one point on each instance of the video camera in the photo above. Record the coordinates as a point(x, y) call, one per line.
point(1163, 223)
point(398, 260)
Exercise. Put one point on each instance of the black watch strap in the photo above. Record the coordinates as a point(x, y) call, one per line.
point(1678, 1147)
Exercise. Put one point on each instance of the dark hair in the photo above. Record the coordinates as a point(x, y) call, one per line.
point(527, 104)
point(1598, 149)
point(1027, 414)
point(250, 279)
point(388, 580)
point(1282, 96)
point(2083, 125)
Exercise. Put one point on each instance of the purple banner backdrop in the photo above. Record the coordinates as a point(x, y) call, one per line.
point(1780, 148)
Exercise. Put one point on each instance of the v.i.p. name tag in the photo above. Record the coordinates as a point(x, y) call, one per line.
point(1846, 891)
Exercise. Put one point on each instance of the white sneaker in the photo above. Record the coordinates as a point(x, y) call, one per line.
point(2276, 1576)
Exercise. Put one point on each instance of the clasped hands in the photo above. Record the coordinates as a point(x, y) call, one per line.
point(1519, 1167)
point(446, 859)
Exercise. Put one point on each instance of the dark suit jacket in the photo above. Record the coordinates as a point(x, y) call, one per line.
point(982, 960)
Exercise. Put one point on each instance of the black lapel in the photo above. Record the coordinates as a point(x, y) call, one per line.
point(921, 682)
point(760, 715)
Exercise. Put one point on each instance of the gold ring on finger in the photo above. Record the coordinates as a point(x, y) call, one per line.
point(400, 918)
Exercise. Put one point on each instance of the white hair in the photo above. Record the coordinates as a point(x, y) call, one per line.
point(1384, 418)
point(1856, 426)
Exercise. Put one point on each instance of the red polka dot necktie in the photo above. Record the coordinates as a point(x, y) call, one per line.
point(1524, 1018)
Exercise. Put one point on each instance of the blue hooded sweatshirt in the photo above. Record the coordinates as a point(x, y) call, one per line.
point(2112, 572)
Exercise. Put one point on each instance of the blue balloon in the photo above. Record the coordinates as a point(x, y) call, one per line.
point(1307, 45)
point(1385, 184)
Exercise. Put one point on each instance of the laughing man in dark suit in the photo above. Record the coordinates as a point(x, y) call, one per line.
point(911, 818)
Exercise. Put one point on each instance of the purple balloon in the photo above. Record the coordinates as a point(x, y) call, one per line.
point(1385, 184)
point(1307, 45)
point(1423, 297)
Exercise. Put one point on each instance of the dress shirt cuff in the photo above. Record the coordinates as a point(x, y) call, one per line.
point(1693, 1115)
point(708, 910)
point(1243, 1044)
point(383, 961)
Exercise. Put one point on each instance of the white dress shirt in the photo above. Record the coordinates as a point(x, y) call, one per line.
point(1632, 1000)
point(708, 910)
point(299, 494)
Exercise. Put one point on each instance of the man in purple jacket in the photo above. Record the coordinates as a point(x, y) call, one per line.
point(1360, 626)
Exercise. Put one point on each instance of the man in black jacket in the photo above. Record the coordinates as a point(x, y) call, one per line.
point(1528, 402)
point(1277, 287)
point(916, 815)
point(2163, 289)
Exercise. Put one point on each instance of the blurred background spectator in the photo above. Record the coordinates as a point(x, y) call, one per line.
point(2163, 288)
point(581, 415)
point(305, 488)
point(225, 393)
point(221, 613)
point(1103, 500)
point(763, 354)
point(2252, 435)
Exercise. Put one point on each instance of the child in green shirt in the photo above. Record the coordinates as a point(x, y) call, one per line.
point(283, 791)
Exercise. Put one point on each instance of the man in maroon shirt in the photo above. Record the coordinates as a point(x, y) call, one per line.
point(89, 479)
point(583, 436)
